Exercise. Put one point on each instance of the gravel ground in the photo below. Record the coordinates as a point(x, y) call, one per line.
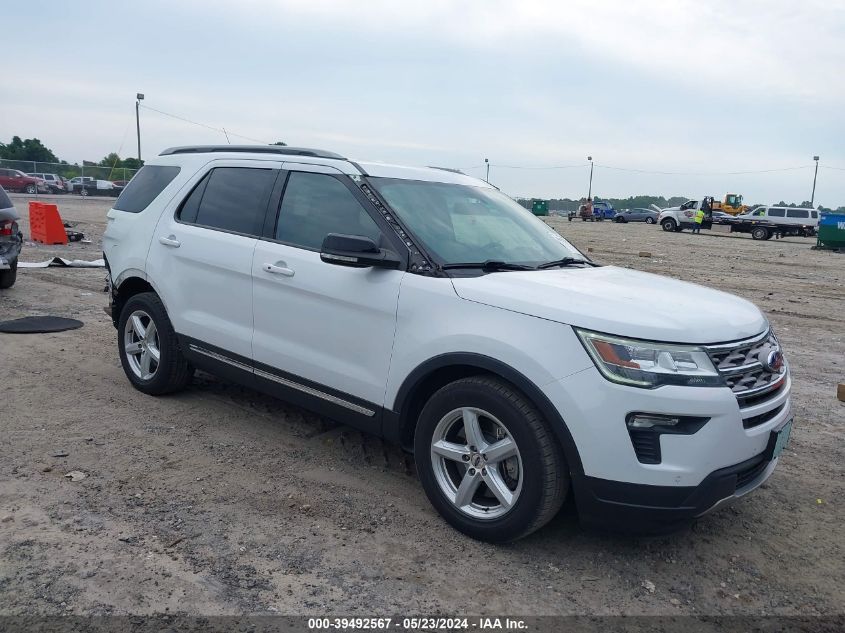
point(220, 500)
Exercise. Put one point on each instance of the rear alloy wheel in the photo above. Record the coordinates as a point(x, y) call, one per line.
point(149, 350)
point(488, 461)
point(649, 220)
point(669, 224)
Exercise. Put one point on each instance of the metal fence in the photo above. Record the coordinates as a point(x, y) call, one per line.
point(69, 171)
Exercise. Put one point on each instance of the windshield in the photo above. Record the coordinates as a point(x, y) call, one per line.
point(464, 224)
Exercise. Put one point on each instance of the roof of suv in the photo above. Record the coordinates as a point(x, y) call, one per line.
point(180, 155)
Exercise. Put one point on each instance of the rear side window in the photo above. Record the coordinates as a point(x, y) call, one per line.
point(797, 213)
point(777, 213)
point(145, 187)
point(230, 199)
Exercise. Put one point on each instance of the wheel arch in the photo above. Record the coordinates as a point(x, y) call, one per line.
point(400, 422)
point(128, 284)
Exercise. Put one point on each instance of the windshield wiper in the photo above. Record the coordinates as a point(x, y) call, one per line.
point(488, 266)
point(566, 261)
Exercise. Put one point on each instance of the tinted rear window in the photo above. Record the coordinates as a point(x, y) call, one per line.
point(777, 213)
point(232, 199)
point(5, 203)
point(797, 213)
point(145, 187)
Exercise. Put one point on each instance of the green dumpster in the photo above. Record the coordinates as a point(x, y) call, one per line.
point(540, 207)
point(831, 231)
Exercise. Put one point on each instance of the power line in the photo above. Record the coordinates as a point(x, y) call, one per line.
point(223, 131)
point(832, 167)
point(711, 173)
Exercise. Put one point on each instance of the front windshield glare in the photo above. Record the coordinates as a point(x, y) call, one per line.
point(465, 224)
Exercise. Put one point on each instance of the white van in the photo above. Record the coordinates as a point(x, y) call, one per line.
point(784, 215)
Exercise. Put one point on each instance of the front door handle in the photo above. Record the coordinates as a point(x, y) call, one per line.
point(170, 241)
point(279, 268)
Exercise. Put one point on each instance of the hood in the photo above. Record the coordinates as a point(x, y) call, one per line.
point(619, 301)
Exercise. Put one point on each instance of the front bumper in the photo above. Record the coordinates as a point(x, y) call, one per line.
point(644, 509)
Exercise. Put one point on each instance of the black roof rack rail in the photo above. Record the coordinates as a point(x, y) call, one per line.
point(252, 149)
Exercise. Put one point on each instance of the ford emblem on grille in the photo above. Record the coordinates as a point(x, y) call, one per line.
point(773, 362)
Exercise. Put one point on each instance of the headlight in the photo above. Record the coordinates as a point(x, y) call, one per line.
point(649, 365)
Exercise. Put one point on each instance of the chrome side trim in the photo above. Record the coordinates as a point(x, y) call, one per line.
point(742, 343)
point(284, 381)
point(315, 392)
point(220, 357)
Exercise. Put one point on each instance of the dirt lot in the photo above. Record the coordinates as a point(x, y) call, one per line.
point(222, 501)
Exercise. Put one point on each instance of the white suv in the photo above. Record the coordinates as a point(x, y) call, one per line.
point(425, 306)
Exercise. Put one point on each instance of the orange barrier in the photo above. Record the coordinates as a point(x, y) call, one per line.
point(45, 224)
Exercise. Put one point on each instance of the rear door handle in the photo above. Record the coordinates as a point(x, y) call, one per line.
point(277, 269)
point(170, 241)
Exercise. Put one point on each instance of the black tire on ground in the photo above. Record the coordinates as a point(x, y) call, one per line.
point(760, 233)
point(649, 220)
point(669, 225)
point(173, 372)
point(545, 476)
point(83, 191)
point(30, 189)
point(8, 277)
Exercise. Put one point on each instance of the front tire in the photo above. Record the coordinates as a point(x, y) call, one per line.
point(8, 277)
point(30, 189)
point(649, 220)
point(83, 191)
point(488, 461)
point(149, 349)
point(669, 224)
point(760, 233)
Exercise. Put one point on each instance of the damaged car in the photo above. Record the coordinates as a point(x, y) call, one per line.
point(11, 240)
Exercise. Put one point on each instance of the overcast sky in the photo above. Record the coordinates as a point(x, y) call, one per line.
point(697, 88)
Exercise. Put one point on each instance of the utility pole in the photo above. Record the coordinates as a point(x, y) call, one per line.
point(138, 98)
point(487, 162)
point(813, 195)
point(590, 188)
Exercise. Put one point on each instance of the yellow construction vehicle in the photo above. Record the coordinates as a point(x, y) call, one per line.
point(732, 204)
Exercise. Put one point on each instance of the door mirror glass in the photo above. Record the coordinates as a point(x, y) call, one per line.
point(356, 251)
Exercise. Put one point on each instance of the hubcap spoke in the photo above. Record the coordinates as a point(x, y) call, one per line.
point(469, 484)
point(151, 333)
point(450, 450)
point(133, 348)
point(498, 487)
point(138, 326)
point(472, 429)
point(146, 357)
point(503, 449)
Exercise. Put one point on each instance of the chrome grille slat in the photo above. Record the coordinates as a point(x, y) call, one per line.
point(740, 365)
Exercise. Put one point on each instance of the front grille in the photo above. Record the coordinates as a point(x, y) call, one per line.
point(745, 477)
point(741, 367)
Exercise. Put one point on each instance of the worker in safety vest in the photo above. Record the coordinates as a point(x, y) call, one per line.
point(697, 220)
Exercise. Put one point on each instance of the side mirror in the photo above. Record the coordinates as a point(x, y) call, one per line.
point(356, 251)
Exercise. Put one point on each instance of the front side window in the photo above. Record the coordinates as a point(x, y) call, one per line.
point(145, 187)
point(230, 199)
point(467, 224)
point(315, 205)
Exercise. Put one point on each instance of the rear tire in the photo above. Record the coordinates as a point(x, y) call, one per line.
point(148, 347)
point(498, 478)
point(8, 277)
point(669, 224)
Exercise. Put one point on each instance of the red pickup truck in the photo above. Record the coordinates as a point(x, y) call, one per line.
point(14, 180)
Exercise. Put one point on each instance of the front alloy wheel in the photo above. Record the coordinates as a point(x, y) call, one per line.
point(476, 463)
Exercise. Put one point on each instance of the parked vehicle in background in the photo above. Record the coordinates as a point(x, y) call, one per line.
point(683, 217)
point(54, 182)
point(88, 186)
point(539, 207)
point(649, 216)
point(603, 211)
point(766, 222)
point(474, 335)
point(16, 180)
point(11, 240)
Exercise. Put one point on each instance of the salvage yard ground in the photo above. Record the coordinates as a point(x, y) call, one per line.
point(220, 500)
